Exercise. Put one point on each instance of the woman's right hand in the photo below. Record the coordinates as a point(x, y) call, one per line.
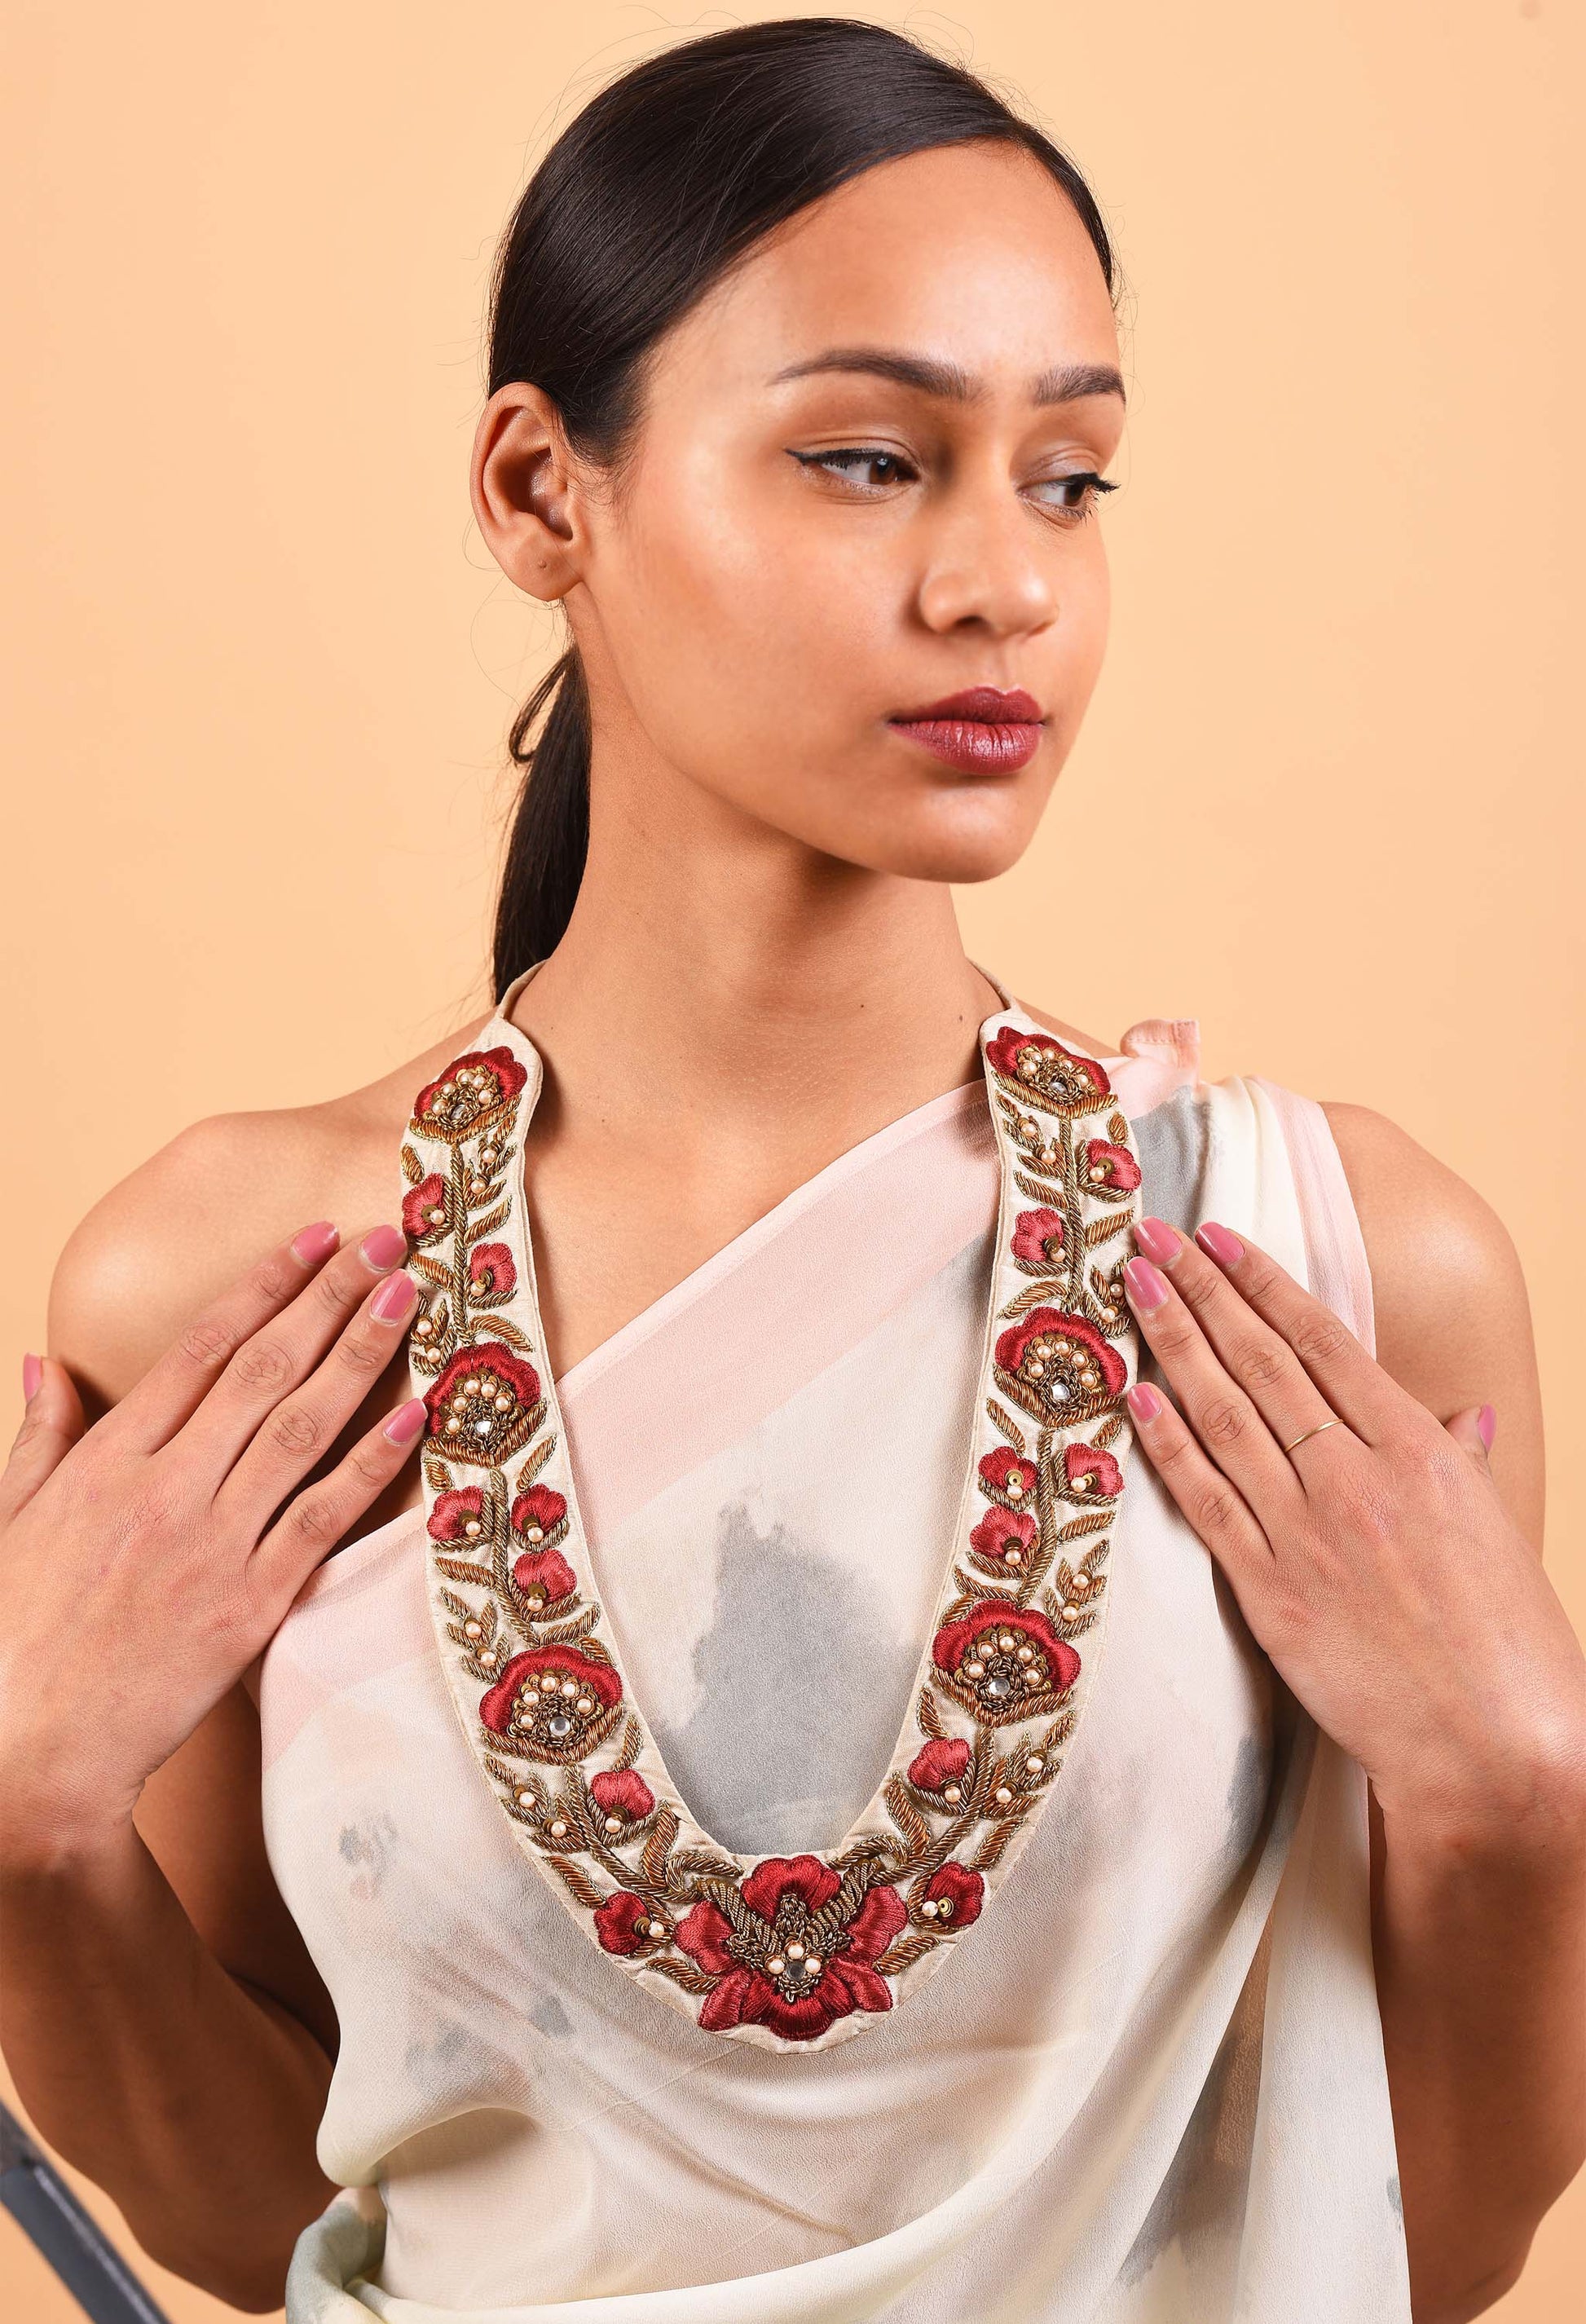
point(146, 1560)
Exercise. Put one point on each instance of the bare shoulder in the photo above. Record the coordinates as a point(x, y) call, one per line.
point(1453, 1315)
point(170, 1237)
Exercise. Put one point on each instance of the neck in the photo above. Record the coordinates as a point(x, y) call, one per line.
point(729, 968)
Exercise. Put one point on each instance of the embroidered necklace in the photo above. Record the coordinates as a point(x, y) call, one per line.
point(784, 1951)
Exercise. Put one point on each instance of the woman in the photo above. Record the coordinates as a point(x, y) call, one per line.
point(698, 1817)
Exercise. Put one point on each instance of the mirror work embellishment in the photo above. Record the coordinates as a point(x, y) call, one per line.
point(779, 1951)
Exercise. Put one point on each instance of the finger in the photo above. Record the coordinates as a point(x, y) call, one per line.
point(1472, 1431)
point(1353, 1383)
point(309, 1527)
point(155, 1407)
point(53, 1420)
point(1220, 1515)
point(1228, 1424)
point(305, 1423)
point(1252, 1352)
point(274, 1360)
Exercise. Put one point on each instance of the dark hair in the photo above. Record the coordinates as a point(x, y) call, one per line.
point(641, 204)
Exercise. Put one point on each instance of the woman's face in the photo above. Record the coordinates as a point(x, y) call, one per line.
point(863, 482)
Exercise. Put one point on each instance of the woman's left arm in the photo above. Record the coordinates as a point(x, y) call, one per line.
point(1393, 1572)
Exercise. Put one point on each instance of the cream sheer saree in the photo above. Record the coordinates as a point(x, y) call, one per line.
point(1134, 2069)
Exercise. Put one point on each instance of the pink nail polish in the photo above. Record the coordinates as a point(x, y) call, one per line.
point(1224, 1248)
point(395, 1296)
point(383, 1246)
point(1144, 1401)
point(1157, 1239)
point(33, 1373)
point(311, 1244)
point(406, 1421)
point(1146, 1287)
point(1486, 1423)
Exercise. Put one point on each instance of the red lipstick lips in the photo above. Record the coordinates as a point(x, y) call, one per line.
point(982, 730)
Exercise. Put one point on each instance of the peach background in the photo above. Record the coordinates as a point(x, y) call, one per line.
point(263, 667)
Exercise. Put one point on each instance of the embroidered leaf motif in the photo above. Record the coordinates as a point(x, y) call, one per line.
point(562, 1633)
point(534, 1460)
point(582, 1889)
point(632, 1744)
point(460, 1570)
point(929, 1716)
point(412, 1169)
point(1096, 1522)
point(497, 1218)
point(907, 1950)
point(1005, 1425)
point(907, 1816)
point(1102, 1229)
point(455, 1605)
point(658, 1847)
point(438, 1476)
point(1108, 1430)
point(1048, 1288)
point(683, 1973)
point(691, 1860)
point(990, 1851)
point(1118, 1129)
point(420, 1263)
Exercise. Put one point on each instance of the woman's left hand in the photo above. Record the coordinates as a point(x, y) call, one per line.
point(1375, 1562)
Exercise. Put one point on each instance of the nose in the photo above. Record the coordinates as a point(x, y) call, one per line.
point(991, 566)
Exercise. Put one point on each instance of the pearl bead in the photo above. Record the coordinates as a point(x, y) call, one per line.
point(472, 1528)
point(487, 1155)
point(1069, 1613)
point(534, 1533)
point(470, 1388)
point(547, 1685)
point(537, 1598)
point(613, 1823)
point(436, 1218)
point(473, 1629)
point(655, 1928)
point(570, 1686)
point(559, 1830)
point(454, 1427)
point(1032, 1678)
point(928, 1909)
point(775, 1966)
point(487, 1657)
point(812, 1967)
point(975, 1670)
point(423, 1327)
point(1035, 1763)
point(1013, 1556)
point(954, 1793)
point(1007, 1641)
point(525, 1799)
point(1002, 1795)
point(585, 1704)
point(1014, 1488)
point(796, 1950)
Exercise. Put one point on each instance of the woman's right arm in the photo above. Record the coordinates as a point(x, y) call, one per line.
point(146, 1560)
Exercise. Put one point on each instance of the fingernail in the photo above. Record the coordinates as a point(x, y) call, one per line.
point(395, 1296)
point(383, 1246)
point(1224, 1248)
point(406, 1421)
point(311, 1244)
point(1487, 1422)
point(33, 1373)
point(1144, 1401)
point(1146, 1287)
point(1156, 1237)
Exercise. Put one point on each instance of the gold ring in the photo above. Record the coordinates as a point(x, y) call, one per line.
point(1300, 1439)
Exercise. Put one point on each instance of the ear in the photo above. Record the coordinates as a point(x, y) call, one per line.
point(523, 484)
point(1472, 1431)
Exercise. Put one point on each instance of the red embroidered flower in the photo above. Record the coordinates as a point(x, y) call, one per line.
point(1113, 1167)
point(1058, 1366)
point(793, 1970)
point(425, 1208)
point(1007, 1473)
point(538, 1512)
point(485, 1405)
point(473, 1094)
point(491, 1271)
point(1003, 1661)
point(940, 1763)
point(544, 1578)
point(1089, 1470)
point(953, 1894)
point(626, 1924)
point(457, 1519)
point(553, 1702)
point(1040, 1068)
point(621, 1795)
point(1006, 1535)
point(1037, 1237)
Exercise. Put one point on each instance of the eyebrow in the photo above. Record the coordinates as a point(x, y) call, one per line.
point(1062, 384)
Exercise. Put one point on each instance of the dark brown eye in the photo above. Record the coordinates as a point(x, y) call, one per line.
point(863, 464)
